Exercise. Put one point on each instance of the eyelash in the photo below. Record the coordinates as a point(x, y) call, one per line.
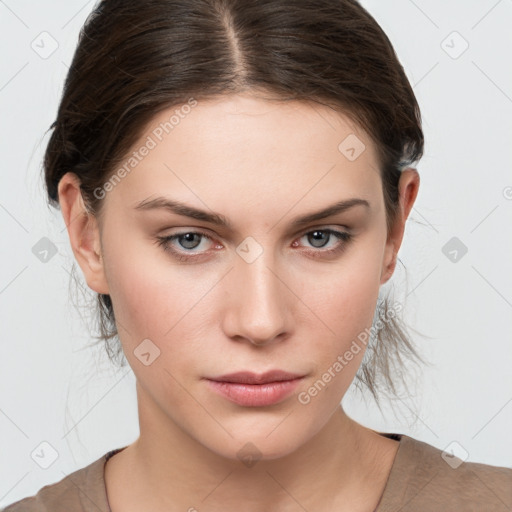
point(344, 237)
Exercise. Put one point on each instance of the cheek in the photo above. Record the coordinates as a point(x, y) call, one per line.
point(156, 299)
point(346, 293)
point(343, 300)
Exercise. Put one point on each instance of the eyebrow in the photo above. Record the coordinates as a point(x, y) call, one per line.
point(185, 210)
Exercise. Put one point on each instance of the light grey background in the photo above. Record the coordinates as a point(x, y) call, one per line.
point(55, 391)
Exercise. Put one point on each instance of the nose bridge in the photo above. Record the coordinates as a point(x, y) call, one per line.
point(258, 307)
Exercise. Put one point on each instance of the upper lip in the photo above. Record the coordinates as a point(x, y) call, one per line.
point(254, 378)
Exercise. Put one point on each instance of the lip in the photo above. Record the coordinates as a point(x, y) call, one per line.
point(255, 390)
point(256, 378)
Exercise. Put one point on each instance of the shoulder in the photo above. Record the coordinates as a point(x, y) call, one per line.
point(424, 478)
point(81, 491)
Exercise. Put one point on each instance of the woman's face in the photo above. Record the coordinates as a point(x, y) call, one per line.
point(246, 287)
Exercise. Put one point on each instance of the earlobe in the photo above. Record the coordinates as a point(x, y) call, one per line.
point(83, 231)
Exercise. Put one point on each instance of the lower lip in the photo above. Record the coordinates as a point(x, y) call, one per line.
point(255, 395)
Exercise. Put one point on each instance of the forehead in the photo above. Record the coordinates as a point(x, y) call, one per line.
point(246, 148)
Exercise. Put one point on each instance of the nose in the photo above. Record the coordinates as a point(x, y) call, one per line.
point(258, 309)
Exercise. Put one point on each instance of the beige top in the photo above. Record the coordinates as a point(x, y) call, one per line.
point(420, 481)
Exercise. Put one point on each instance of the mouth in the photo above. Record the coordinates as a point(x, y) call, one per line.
point(255, 390)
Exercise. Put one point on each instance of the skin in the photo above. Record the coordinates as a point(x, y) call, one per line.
point(260, 163)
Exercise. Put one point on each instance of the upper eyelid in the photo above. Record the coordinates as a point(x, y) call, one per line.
point(303, 231)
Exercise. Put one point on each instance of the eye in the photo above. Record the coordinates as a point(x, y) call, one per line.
point(318, 239)
point(188, 241)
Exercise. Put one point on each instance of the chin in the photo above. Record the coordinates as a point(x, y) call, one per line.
point(270, 441)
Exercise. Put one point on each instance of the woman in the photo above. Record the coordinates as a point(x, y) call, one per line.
point(235, 178)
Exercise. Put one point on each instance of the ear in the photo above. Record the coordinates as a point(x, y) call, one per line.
point(408, 190)
point(83, 231)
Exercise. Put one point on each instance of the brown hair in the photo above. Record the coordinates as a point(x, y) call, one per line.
point(135, 58)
